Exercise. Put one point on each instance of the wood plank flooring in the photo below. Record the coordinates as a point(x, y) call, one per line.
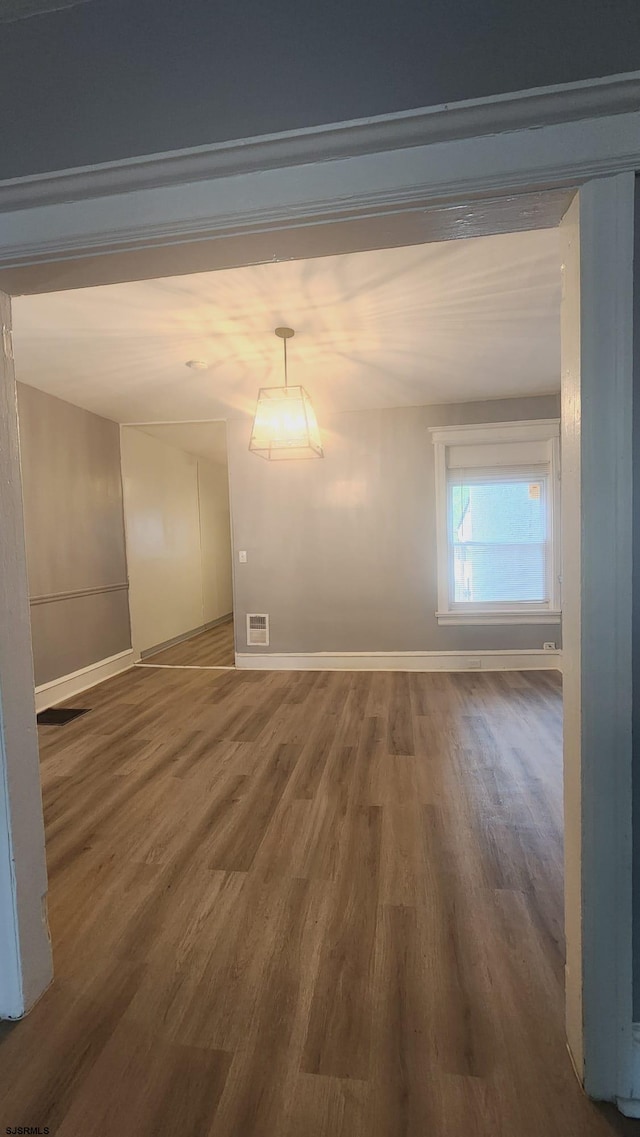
point(304, 905)
point(213, 648)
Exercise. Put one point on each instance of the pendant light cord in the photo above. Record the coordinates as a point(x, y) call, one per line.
point(285, 334)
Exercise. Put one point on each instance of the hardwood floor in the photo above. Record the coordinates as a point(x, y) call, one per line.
point(208, 649)
point(303, 905)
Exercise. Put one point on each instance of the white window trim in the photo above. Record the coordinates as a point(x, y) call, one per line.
point(547, 430)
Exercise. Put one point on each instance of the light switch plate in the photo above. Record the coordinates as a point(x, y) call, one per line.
point(242, 556)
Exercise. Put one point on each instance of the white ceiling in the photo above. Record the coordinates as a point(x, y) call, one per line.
point(204, 439)
point(447, 322)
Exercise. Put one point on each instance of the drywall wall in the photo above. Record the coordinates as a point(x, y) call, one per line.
point(25, 949)
point(341, 551)
point(176, 507)
point(636, 609)
point(74, 534)
point(109, 80)
point(215, 540)
point(163, 539)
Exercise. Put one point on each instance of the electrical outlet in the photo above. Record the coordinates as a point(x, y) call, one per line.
point(548, 646)
point(474, 663)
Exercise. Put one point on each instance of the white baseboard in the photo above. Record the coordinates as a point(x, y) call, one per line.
point(535, 659)
point(58, 690)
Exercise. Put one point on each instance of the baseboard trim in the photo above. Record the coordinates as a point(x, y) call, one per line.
point(185, 666)
point(149, 651)
point(58, 690)
point(535, 659)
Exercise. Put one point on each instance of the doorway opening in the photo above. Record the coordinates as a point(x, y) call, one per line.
point(175, 479)
point(343, 560)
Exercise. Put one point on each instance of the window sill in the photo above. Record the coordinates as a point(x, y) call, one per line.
point(486, 618)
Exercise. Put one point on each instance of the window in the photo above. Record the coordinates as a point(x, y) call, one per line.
point(497, 506)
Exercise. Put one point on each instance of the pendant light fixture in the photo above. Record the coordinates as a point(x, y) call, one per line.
point(285, 425)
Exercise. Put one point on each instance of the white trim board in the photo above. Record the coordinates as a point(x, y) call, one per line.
point(536, 659)
point(523, 430)
point(58, 690)
point(482, 619)
point(184, 666)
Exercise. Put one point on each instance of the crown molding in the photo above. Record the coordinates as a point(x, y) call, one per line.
point(522, 110)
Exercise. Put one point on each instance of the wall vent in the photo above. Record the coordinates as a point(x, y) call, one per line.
point(257, 630)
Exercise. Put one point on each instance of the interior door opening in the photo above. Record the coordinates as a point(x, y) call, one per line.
point(353, 490)
point(178, 552)
point(178, 536)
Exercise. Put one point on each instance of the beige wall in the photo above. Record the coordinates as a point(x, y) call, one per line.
point(74, 534)
point(341, 551)
point(177, 550)
point(215, 540)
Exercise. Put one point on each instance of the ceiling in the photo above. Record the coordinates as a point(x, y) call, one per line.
point(204, 439)
point(454, 321)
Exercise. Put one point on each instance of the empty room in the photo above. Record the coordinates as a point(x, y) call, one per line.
point(311, 881)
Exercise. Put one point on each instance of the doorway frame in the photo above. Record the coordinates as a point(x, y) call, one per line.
point(139, 654)
point(497, 157)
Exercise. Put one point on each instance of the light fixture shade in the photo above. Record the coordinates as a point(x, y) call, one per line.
point(285, 425)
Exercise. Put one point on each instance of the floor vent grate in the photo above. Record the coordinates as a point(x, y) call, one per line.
point(59, 716)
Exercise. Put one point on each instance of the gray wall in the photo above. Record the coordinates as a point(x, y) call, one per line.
point(112, 78)
point(635, 627)
point(342, 550)
point(74, 534)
